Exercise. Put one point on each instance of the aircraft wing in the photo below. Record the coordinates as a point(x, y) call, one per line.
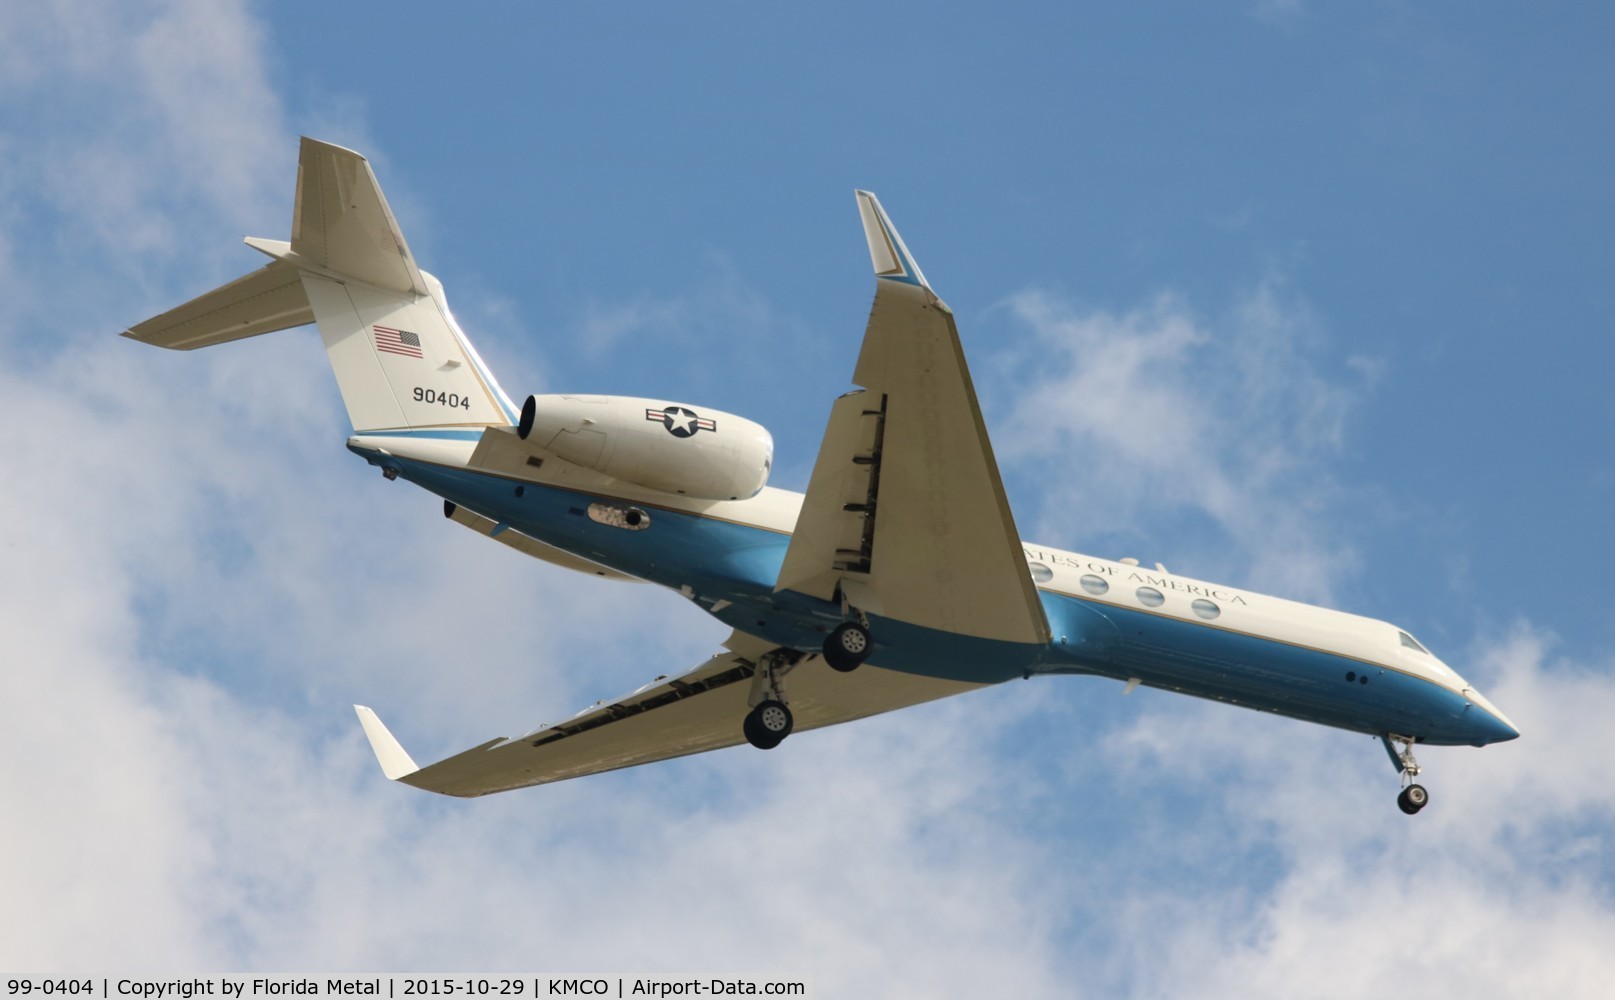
point(905, 514)
point(669, 717)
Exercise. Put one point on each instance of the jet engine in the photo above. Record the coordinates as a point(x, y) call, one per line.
point(649, 442)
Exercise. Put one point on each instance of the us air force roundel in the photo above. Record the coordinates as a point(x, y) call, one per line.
point(680, 422)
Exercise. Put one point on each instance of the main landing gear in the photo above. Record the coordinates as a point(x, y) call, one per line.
point(768, 724)
point(770, 719)
point(1413, 797)
point(847, 646)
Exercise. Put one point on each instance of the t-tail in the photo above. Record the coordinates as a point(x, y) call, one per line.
point(403, 364)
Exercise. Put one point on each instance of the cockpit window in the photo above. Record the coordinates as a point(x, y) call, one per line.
point(1412, 643)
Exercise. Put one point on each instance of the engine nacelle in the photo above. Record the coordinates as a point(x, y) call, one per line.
point(650, 442)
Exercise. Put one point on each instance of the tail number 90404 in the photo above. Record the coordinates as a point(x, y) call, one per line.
point(453, 400)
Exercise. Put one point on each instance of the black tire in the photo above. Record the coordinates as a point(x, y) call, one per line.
point(768, 724)
point(755, 738)
point(1412, 799)
point(847, 646)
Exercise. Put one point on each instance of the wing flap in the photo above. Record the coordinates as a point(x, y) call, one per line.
point(830, 541)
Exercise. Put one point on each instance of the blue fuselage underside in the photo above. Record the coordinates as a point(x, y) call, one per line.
point(715, 561)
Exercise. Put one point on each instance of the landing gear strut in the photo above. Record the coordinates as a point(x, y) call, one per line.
point(770, 719)
point(1413, 797)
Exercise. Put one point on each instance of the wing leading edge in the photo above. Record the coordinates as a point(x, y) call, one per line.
point(905, 514)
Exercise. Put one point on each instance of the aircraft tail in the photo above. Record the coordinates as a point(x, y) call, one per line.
point(401, 361)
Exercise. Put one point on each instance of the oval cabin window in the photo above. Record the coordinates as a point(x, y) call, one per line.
point(1095, 585)
point(1040, 572)
point(1205, 609)
point(1150, 597)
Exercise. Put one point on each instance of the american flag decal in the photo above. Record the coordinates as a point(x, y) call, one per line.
point(398, 341)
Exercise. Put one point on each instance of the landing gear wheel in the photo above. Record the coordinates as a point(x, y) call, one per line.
point(767, 725)
point(847, 646)
point(1412, 799)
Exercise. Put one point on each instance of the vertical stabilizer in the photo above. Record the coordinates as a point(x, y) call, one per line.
point(400, 360)
point(399, 357)
point(341, 220)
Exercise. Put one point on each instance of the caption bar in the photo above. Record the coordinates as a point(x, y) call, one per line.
point(244, 986)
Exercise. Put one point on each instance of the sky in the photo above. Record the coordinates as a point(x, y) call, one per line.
point(1311, 299)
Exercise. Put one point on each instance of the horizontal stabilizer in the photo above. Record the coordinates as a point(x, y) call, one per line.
point(269, 299)
point(395, 763)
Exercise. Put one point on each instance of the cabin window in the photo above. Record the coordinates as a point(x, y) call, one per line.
point(1205, 609)
point(1150, 597)
point(1040, 572)
point(1094, 585)
point(1412, 643)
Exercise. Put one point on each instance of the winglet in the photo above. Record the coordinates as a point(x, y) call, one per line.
point(890, 257)
point(395, 763)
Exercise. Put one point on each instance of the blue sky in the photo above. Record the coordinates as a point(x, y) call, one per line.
point(1311, 299)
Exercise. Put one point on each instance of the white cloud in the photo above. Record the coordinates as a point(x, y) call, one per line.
point(132, 108)
point(1156, 413)
point(724, 302)
point(676, 332)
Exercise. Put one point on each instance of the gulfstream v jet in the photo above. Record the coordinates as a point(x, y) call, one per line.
point(897, 578)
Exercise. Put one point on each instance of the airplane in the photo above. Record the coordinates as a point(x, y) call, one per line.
point(898, 577)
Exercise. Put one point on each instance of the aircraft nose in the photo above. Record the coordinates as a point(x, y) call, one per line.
point(1497, 730)
point(1486, 723)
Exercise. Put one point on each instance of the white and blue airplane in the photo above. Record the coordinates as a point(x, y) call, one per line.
point(897, 578)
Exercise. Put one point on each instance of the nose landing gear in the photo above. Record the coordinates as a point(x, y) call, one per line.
point(1413, 797)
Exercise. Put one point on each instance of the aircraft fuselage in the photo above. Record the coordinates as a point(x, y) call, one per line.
point(1130, 623)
